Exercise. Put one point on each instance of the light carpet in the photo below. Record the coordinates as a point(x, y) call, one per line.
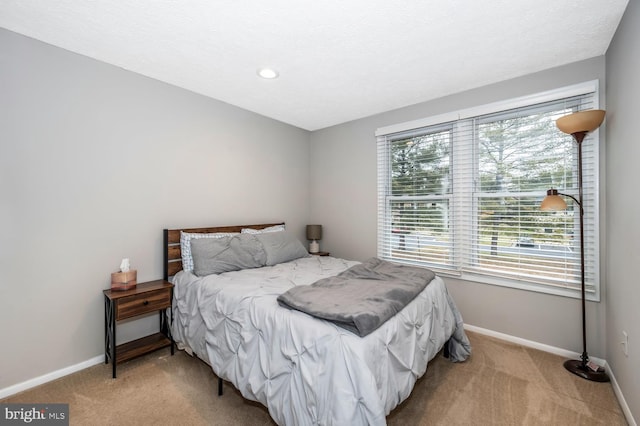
point(500, 384)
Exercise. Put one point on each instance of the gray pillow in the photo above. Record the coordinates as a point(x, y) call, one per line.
point(218, 255)
point(281, 247)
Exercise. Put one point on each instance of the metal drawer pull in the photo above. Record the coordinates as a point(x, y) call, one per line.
point(145, 303)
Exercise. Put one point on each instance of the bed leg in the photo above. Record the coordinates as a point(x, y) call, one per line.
point(219, 386)
point(445, 352)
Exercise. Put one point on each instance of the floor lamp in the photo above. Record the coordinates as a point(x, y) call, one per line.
point(578, 125)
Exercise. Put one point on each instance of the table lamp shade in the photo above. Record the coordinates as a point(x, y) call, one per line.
point(314, 232)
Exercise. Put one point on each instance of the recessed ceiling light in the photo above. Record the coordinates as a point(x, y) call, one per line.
point(268, 73)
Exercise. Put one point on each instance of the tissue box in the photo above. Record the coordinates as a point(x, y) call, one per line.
point(124, 280)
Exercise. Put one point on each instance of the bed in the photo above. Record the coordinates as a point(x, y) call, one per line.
point(305, 370)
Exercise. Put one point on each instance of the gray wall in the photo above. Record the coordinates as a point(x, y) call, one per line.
point(94, 162)
point(623, 204)
point(343, 199)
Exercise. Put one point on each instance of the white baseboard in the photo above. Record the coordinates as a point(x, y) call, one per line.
point(563, 353)
point(623, 403)
point(531, 344)
point(36, 381)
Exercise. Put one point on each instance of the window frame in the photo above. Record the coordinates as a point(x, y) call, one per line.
point(462, 236)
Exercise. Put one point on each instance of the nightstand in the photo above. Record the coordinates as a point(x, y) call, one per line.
point(152, 296)
point(321, 253)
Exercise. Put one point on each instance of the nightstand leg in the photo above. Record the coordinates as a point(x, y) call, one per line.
point(171, 323)
point(166, 320)
point(113, 345)
point(112, 336)
point(106, 330)
point(165, 325)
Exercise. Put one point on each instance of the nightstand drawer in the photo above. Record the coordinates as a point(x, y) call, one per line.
point(139, 304)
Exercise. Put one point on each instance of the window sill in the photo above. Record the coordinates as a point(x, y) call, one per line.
point(520, 285)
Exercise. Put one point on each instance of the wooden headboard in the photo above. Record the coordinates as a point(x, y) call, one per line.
point(171, 243)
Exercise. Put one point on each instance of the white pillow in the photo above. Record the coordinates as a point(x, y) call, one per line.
point(275, 228)
point(185, 245)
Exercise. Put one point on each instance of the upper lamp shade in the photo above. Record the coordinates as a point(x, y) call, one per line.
point(583, 121)
point(553, 201)
point(314, 232)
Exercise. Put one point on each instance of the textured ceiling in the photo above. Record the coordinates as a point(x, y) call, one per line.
point(338, 60)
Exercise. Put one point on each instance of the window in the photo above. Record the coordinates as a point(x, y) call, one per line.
point(460, 193)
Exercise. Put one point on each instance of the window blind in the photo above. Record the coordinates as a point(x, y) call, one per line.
point(462, 196)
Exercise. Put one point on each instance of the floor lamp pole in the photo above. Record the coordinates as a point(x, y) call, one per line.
point(578, 124)
point(582, 368)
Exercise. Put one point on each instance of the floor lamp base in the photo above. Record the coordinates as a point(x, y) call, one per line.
point(585, 372)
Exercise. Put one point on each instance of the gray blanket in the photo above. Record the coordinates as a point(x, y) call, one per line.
point(361, 298)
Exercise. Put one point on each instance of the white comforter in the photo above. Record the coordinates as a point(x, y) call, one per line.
point(304, 370)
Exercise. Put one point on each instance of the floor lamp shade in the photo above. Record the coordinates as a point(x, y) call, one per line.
point(314, 233)
point(583, 121)
point(553, 201)
point(578, 125)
